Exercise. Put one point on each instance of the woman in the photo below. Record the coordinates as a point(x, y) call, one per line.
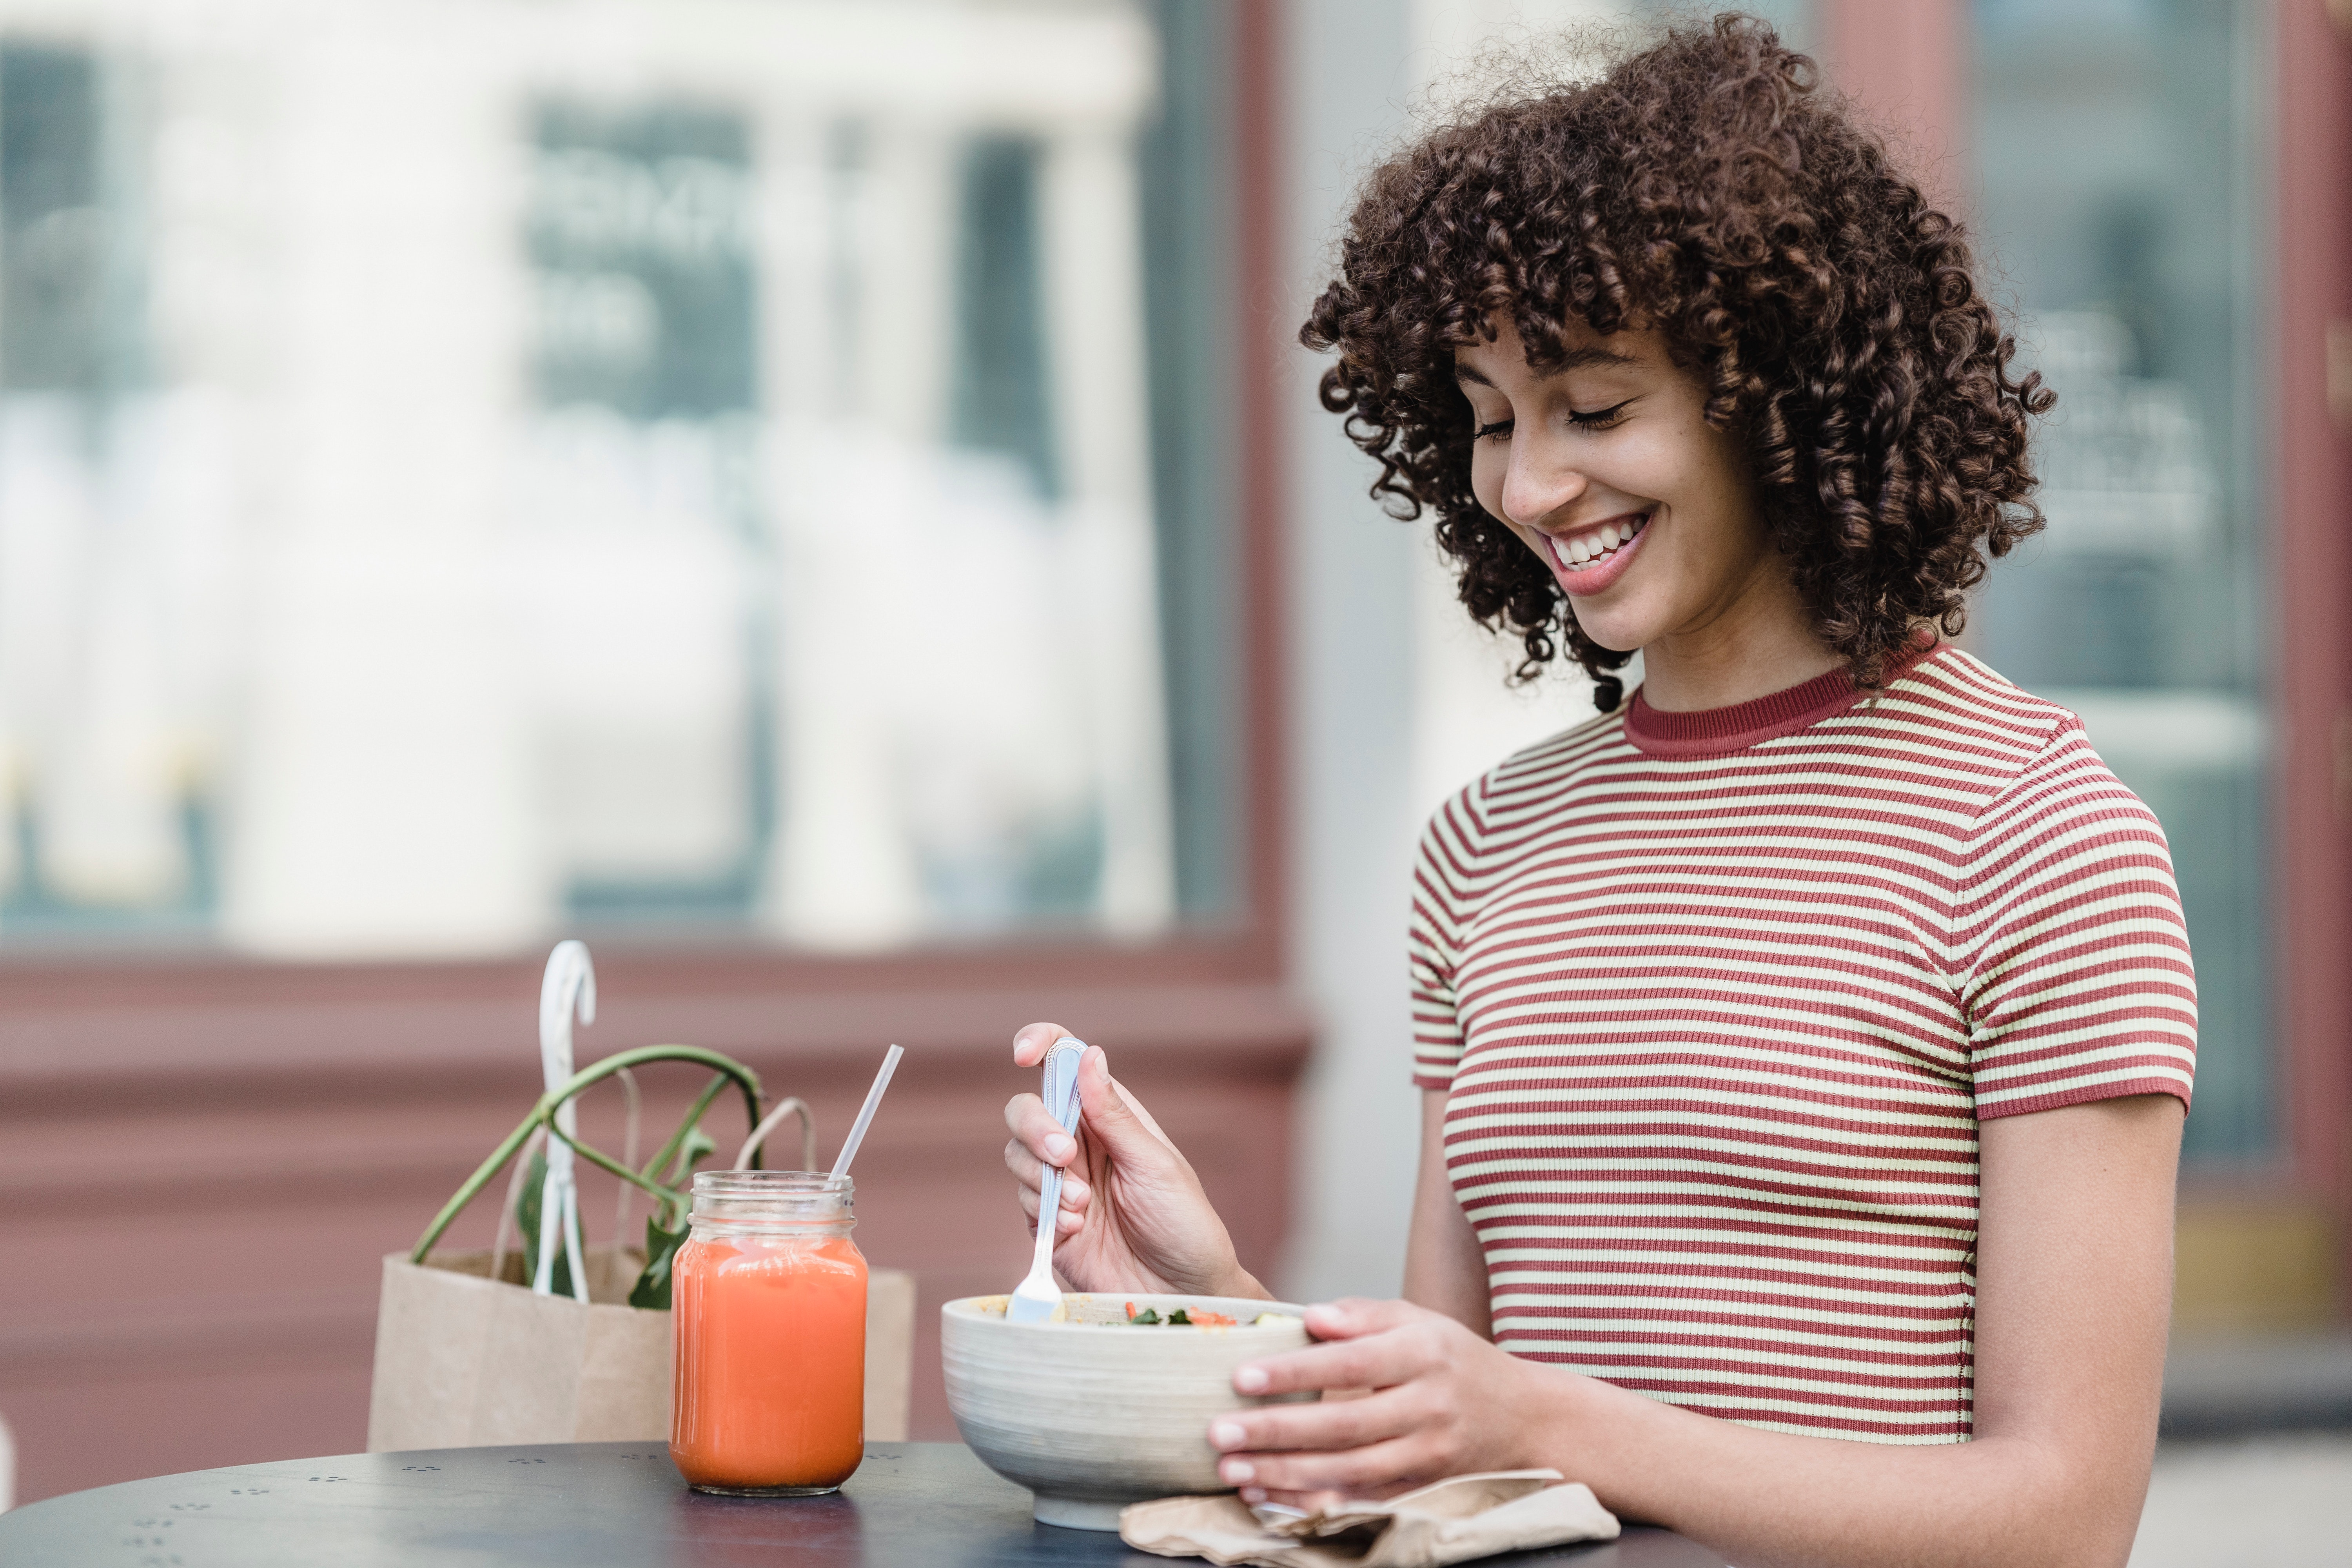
point(1804, 1045)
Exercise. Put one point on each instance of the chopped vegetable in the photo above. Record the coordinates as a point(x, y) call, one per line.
point(1270, 1319)
point(1188, 1317)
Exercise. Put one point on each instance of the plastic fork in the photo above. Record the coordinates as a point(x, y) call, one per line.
point(1038, 1297)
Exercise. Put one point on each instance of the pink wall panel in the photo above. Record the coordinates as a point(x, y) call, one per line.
point(191, 1248)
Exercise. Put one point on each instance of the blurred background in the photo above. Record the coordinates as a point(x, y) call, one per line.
point(820, 499)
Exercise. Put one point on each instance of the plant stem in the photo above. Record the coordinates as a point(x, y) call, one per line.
point(730, 1071)
point(742, 1077)
point(668, 1151)
point(474, 1182)
point(673, 1202)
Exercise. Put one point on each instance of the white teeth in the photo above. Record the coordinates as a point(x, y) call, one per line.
point(1601, 543)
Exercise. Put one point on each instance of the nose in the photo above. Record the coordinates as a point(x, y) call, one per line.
point(1537, 484)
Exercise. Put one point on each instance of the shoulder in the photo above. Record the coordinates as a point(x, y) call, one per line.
point(2003, 746)
point(1956, 702)
point(2048, 811)
point(1529, 783)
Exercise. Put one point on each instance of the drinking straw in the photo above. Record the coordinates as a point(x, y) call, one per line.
point(866, 1113)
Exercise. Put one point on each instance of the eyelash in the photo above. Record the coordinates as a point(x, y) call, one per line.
point(1599, 419)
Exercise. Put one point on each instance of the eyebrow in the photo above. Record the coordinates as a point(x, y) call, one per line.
point(1586, 358)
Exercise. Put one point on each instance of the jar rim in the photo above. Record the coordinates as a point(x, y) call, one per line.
point(771, 1185)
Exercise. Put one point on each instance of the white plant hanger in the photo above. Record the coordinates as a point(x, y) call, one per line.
point(569, 986)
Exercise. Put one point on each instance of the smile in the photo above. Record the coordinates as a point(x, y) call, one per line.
point(1590, 559)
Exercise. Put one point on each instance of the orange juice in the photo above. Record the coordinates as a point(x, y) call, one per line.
point(768, 1309)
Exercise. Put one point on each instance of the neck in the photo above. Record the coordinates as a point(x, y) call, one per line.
point(1757, 642)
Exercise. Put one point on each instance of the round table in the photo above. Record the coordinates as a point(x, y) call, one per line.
point(912, 1505)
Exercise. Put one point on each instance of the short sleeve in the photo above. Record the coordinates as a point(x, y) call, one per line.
point(1432, 944)
point(2077, 980)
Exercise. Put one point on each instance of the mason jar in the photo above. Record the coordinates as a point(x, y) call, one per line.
point(767, 1298)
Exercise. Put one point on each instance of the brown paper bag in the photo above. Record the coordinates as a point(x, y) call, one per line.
point(464, 1361)
point(1457, 1519)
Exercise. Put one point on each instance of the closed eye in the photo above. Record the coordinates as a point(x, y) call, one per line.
point(1599, 419)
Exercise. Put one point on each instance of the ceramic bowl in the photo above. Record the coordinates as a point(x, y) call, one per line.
point(1093, 1414)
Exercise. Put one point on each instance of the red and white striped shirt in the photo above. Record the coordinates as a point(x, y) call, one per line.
point(1721, 998)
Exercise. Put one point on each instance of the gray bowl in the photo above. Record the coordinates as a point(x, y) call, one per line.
point(1094, 1414)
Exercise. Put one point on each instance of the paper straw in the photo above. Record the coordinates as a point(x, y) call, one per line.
point(865, 1111)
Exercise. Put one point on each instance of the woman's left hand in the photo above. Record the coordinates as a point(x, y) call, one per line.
point(1444, 1402)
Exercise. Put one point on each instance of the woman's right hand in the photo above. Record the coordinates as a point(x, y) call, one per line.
point(1133, 1216)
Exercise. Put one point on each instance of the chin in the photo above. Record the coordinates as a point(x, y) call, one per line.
point(1620, 632)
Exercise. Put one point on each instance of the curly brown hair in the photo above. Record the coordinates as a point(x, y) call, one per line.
point(1707, 187)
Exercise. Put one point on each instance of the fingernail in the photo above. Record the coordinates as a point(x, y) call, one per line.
point(1253, 1494)
point(1236, 1471)
point(1227, 1434)
point(1251, 1380)
point(1059, 1148)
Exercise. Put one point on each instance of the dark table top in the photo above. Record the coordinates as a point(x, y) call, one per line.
point(618, 1504)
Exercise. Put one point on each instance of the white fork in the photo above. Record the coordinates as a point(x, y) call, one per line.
point(1038, 1297)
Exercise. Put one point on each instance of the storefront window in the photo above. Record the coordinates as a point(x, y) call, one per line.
point(2119, 147)
point(587, 466)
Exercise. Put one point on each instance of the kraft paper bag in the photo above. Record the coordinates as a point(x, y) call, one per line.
point(463, 1361)
point(1454, 1521)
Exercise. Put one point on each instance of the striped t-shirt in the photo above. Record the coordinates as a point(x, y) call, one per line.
point(1720, 998)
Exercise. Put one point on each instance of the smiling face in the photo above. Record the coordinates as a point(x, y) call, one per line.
point(1607, 468)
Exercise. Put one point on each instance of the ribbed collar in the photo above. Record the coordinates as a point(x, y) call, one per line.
point(1713, 732)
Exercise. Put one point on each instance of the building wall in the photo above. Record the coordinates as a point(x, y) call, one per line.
point(200, 1175)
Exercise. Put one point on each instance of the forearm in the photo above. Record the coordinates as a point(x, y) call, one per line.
point(1772, 1499)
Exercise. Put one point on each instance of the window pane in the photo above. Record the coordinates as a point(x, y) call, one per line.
point(591, 465)
point(2122, 167)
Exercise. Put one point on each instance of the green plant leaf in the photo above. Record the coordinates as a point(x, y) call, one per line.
point(534, 1184)
point(652, 1289)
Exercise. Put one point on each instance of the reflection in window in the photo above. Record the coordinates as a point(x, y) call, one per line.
point(706, 479)
point(106, 644)
point(2119, 164)
point(635, 543)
